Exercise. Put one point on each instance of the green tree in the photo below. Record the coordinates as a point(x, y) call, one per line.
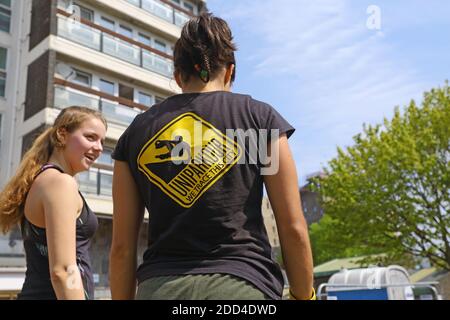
point(389, 192)
point(326, 246)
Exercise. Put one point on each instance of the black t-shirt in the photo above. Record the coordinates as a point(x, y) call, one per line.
point(203, 187)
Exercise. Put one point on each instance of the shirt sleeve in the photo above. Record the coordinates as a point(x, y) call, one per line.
point(275, 121)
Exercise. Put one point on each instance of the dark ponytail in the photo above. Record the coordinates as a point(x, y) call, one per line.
point(204, 48)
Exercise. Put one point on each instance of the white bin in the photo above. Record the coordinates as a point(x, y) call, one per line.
point(373, 283)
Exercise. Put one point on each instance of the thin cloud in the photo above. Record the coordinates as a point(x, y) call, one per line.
point(341, 73)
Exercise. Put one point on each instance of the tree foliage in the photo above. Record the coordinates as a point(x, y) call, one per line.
point(389, 192)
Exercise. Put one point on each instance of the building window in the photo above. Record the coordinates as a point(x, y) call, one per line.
point(83, 12)
point(107, 87)
point(161, 46)
point(105, 158)
point(136, 3)
point(1, 133)
point(96, 181)
point(5, 15)
point(108, 24)
point(105, 177)
point(3, 58)
point(188, 6)
point(126, 92)
point(145, 99)
point(2, 83)
point(159, 99)
point(11, 244)
point(83, 78)
point(125, 31)
point(86, 13)
point(145, 40)
point(176, 1)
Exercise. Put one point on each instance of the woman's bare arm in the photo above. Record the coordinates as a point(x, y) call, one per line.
point(284, 196)
point(61, 204)
point(127, 219)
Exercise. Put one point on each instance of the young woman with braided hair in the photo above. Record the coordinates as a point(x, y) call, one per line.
point(207, 238)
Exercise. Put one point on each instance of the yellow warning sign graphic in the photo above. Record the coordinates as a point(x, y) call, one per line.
point(186, 157)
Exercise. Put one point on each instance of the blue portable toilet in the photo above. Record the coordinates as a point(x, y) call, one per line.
point(373, 283)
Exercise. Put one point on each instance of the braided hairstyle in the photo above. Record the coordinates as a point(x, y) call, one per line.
point(204, 48)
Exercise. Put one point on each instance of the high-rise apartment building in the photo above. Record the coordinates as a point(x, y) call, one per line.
point(111, 55)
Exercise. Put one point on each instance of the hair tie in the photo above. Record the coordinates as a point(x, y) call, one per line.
point(204, 74)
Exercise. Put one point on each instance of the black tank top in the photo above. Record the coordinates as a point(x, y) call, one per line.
point(37, 283)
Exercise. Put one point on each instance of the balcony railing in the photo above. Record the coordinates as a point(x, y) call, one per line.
point(93, 38)
point(11, 244)
point(112, 110)
point(169, 13)
point(96, 181)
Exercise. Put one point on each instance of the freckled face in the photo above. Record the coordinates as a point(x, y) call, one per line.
point(85, 144)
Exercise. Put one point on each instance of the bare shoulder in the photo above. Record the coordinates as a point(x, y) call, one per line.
point(53, 182)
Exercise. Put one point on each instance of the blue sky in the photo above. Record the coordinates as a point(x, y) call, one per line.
point(324, 70)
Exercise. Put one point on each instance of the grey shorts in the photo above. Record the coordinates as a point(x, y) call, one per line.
point(198, 287)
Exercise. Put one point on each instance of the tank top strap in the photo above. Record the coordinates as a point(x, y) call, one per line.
point(48, 166)
point(25, 222)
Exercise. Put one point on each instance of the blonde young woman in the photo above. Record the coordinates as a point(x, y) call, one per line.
point(55, 220)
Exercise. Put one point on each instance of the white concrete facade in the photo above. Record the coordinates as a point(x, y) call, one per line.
point(15, 42)
point(99, 64)
point(12, 127)
point(270, 222)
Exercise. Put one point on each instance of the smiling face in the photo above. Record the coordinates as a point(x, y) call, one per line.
point(84, 145)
